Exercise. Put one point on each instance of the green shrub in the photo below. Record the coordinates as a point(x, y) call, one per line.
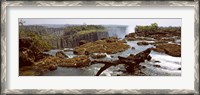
point(38, 39)
point(155, 28)
point(82, 29)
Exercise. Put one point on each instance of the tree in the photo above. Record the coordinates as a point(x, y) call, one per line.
point(154, 26)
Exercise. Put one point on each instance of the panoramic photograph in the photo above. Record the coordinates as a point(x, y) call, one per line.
point(99, 47)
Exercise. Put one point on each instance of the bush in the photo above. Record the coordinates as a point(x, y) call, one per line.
point(38, 40)
point(154, 28)
point(83, 29)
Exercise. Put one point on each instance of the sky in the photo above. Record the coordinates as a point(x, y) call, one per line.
point(129, 22)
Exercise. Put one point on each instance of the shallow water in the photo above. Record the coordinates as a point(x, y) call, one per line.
point(168, 65)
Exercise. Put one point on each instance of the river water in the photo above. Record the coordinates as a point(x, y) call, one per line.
point(168, 65)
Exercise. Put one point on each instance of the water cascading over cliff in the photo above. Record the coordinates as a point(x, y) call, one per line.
point(56, 38)
point(118, 31)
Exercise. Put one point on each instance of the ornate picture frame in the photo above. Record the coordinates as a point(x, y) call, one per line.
point(4, 56)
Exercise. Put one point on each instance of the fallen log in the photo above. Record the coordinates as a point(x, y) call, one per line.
point(131, 61)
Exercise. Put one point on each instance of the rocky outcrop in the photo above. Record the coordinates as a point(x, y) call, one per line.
point(156, 65)
point(98, 55)
point(77, 61)
point(52, 67)
point(83, 42)
point(29, 57)
point(158, 50)
point(28, 52)
point(61, 54)
point(142, 43)
point(109, 45)
point(160, 34)
point(170, 49)
point(25, 59)
point(72, 41)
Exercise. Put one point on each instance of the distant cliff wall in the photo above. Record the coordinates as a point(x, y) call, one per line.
point(55, 37)
point(64, 42)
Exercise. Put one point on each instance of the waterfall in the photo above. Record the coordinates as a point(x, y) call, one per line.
point(118, 31)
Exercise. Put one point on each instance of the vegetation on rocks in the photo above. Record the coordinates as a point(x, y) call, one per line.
point(32, 44)
point(171, 49)
point(77, 61)
point(152, 27)
point(154, 33)
point(73, 35)
point(107, 45)
point(83, 29)
point(61, 54)
point(163, 38)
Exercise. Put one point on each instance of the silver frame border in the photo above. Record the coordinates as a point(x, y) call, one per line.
point(5, 4)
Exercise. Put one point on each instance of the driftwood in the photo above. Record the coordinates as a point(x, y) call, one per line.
point(132, 61)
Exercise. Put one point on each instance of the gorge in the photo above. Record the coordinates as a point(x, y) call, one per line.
point(78, 51)
point(59, 40)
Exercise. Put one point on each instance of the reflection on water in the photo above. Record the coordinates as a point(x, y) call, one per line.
point(168, 65)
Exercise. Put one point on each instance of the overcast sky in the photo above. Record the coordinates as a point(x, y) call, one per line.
point(130, 22)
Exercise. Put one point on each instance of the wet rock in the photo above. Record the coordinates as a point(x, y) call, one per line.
point(112, 56)
point(61, 54)
point(52, 67)
point(158, 42)
point(83, 42)
point(131, 55)
point(157, 61)
point(68, 50)
point(139, 38)
point(79, 51)
point(111, 39)
point(25, 58)
point(130, 38)
point(77, 61)
point(130, 35)
point(142, 43)
point(157, 66)
point(98, 55)
point(124, 41)
point(164, 34)
point(148, 57)
point(168, 39)
point(158, 50)
point(48, 63)
point(132, 47)
point(108, 45)
point(41, 56)
point(171, 49)
point(143, 67)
